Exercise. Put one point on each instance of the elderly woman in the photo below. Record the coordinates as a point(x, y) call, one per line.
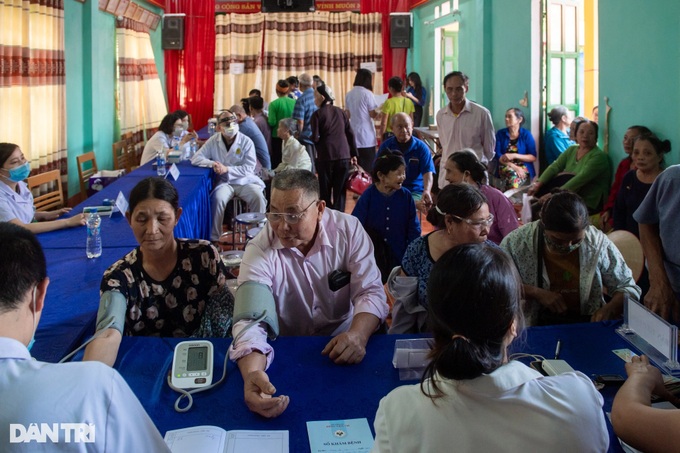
point(294, 154)
point(335, 146)
point(582, 168)
point(461, 216)
point(165, 287)
point(567, 264)
point(471, 396)
point(624, 167)
point(387, 212)
point(464, 167)
point(16, 201)
point(557, 138)
point(170, 131)
point(515, 151)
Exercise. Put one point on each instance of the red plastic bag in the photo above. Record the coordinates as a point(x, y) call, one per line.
point(358, 180)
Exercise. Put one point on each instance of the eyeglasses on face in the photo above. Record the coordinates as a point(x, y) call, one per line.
point(476, 223)
point(289, 218)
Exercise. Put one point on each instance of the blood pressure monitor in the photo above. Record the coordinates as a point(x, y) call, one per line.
point(192, 364)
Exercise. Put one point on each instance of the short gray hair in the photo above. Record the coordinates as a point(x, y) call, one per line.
point(290, 124)
point(296, 178)
point(305, 79)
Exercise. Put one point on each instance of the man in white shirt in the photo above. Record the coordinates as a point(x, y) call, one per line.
point(299, 259)
point(232, 155)
point(463, 124)
point(86, 406)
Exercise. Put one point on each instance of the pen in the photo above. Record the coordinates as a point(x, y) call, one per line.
point(557, 349)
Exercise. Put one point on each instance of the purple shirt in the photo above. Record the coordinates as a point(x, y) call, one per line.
point(305, 304)
point(505, 217)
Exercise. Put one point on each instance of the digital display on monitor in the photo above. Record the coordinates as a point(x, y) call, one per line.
point(197, 358)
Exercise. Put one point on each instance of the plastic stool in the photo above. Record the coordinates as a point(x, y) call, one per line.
point(242, 222)
point(251, 233)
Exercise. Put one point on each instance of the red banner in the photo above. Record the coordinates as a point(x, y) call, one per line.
point(249, 6)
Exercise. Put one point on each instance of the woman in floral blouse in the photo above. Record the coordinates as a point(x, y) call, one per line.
point(170, 287)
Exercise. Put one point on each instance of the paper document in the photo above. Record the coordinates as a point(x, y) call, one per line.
point(381, 98)
point(338, 436)
point(213, 439)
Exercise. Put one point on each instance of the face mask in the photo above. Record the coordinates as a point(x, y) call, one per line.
point(19, 173)
point(185, 126)
point(178, 131)
point(231, 131)
point(32, 342)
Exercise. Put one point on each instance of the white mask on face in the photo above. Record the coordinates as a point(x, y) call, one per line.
point(231, 131)
point(177, 131)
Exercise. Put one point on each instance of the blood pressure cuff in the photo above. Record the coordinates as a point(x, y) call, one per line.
point(111, 314)
point(254, 300)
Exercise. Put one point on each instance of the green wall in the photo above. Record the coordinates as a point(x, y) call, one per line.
point(494, 50)
point(640, 70)
point(90, 37)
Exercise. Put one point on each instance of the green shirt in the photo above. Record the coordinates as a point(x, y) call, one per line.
point(394, 105)
point(592, 175)
point(279, 109)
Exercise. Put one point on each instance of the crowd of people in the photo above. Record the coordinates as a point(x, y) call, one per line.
point(473, 282)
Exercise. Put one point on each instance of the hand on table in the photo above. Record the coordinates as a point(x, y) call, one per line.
point(661, 300)
point(649, 376)
point(346, 348)
point(76, 220)
point(258, 391)
point(53, 215)
point(552, 301)
point(219, 168)
point(606, 313)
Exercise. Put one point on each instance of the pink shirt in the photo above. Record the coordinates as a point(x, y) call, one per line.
point(304, 303)
point(472, 128)
point(505, 216)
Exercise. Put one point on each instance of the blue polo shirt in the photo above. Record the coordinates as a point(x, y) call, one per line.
point(303, 110)
point(250, 130)
point(418, 160)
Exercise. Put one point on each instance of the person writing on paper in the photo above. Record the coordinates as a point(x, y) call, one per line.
point(165, 287)
point(310, 271)
point(232, 155)
point(16, 201)
point(634, 419)
point(34, 392)
point(170, 131)
point(418, 158)
point(472, 397)
point(567, 264)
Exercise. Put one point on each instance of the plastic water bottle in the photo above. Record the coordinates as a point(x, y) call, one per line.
point(94, 235)
point(211, 128)
point(193, 147)
point(160, 163)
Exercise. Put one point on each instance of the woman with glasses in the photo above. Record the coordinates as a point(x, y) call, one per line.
point(461, 216)
point(464, 167)
point(576, 263)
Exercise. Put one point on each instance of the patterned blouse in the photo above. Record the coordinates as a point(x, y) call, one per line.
point(192, 301)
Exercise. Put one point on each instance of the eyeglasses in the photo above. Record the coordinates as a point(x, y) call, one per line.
point(476, 223)
point(290, 219)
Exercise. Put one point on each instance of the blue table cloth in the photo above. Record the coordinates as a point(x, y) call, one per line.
point(72, 300)
point(194, 186)
point(321, 390)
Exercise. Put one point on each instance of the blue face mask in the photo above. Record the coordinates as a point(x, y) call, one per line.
point(19, 173)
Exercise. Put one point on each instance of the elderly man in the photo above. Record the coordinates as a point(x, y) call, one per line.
point(463, 124)
point(232, 155)
point(657, 216)
point(313, 267)
point(419, 165)
point(248, 128)
point(90, 395)
point(304, 108)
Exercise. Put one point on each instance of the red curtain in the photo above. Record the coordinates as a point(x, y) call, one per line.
point(394, 60)
point(189, 73)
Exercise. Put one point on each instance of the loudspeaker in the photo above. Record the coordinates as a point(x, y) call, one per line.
point(288, 6)
point(173, 32)
point(400, 31)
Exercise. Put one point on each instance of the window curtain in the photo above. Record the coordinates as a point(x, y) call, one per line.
point(32, 82)
point(238, 63)
point(188, 73)
point(330, 45)
point(141, 103)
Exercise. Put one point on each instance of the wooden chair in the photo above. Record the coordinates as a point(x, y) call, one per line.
point(84, 174)
point(54, 199)
point(121, 156)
